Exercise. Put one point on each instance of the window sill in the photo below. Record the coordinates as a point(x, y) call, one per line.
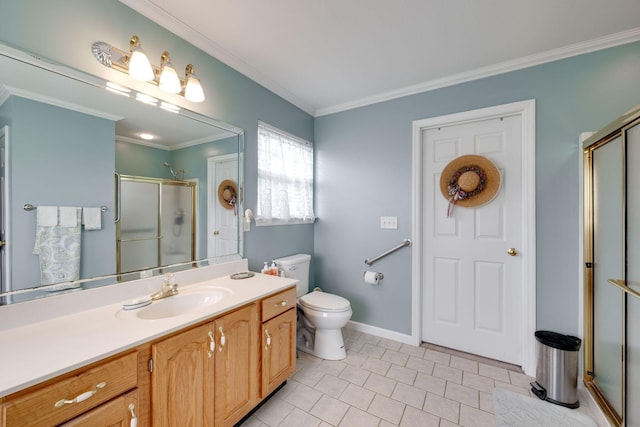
point(274, 221)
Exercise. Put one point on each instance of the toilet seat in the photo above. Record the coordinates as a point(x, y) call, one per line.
point(325, 302)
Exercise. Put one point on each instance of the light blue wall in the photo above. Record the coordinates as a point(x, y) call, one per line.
point(52, 164)
point(140, 160)
point(364, 171)
point(64, 31)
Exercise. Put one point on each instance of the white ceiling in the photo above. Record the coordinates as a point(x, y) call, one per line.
point(331, 55)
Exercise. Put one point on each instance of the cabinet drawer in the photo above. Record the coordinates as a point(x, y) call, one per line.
point(278, 303)
point(116, 412)
point(38, 408)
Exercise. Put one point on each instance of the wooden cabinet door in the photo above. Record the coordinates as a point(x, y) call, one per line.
point(278, 350)
point(236, 367)
point(117, 412)
point(182, 379)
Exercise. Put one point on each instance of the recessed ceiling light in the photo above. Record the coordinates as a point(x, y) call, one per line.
point(147, 136)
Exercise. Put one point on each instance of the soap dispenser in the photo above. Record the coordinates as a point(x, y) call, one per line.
point(273, 270)
point(265, 268)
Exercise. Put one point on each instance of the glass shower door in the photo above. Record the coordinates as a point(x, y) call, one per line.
point(177, 210)
point(139, 227)
point(608, 263)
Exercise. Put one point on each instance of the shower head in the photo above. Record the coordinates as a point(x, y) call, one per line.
point(173, 174)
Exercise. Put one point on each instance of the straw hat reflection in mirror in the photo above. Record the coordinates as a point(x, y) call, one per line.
point(228, 194)
point(469, 181)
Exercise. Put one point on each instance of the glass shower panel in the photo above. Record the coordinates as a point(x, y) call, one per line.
point(138, 255)
point(633, 276)
point(608, 255)
point(177, 224)
point(138, 229)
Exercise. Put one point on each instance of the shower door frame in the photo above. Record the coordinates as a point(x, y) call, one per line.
point(611, 133)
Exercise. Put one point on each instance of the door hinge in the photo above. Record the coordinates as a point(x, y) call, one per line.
point(588, 264)
point(150, 364)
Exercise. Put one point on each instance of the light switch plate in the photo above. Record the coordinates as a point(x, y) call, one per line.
point(389, 222)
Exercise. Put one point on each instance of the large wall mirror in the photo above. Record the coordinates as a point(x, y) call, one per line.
point(67, 141)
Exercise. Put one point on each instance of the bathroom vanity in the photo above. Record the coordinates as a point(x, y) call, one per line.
point(206, 356)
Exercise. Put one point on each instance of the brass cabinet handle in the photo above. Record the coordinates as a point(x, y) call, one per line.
point(512, 251)
point(212, 344)
point(134, 419)
point(223, 339)
point(268, 343)
point(82, 396)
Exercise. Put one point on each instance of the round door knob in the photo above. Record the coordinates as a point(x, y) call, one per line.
point(512, 251)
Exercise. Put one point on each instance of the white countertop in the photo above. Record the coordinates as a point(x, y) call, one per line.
point(45, 349)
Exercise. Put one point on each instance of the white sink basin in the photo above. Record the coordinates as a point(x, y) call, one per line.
point(177, 305)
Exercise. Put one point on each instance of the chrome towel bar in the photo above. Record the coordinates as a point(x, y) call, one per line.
point(369, 262)
point(29, 207)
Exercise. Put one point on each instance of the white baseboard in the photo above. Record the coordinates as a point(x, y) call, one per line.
point(382, 333)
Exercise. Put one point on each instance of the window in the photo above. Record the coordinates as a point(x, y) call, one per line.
point(285, 178)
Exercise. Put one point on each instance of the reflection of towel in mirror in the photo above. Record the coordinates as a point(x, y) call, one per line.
point(92, 218)
point(59, 245)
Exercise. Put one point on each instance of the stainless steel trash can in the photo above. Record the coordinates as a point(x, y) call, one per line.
point(557, 369)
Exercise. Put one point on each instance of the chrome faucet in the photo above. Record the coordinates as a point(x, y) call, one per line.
point(168, 288)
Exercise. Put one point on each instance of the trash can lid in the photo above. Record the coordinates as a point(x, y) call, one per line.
point(559, 341)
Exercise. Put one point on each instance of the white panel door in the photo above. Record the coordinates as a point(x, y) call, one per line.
point(472, 287)
point(223, 223)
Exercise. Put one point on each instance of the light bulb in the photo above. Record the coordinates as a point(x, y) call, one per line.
point(193, 90)
point(139, 65)
point(169, 80)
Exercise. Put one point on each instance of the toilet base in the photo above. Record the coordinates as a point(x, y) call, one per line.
point(326, 344)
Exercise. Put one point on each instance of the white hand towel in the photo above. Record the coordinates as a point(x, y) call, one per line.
point(92, 218)
point(47, 216)
point(69, 216)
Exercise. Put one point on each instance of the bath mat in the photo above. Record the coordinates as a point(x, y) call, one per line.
point(513, 409)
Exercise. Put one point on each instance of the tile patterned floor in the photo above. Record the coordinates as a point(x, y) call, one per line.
point(386, 383)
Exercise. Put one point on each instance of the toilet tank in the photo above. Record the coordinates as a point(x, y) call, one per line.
point(296, 267)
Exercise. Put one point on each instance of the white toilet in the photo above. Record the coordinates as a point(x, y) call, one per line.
point(321, 315)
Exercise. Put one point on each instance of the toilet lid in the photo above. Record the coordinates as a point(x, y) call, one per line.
point(323, 301)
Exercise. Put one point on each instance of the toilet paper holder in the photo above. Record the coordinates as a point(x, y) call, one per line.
point(372, 277)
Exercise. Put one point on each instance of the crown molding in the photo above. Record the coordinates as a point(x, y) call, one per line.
point(492, 70)
point(6, 91)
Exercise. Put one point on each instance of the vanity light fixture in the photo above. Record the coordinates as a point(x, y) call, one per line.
point(137, 65)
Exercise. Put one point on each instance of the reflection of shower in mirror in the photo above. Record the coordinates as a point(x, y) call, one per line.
point(178, 220)
point(173, 173)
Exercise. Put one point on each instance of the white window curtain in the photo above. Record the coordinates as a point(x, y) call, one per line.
point(285, 178)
